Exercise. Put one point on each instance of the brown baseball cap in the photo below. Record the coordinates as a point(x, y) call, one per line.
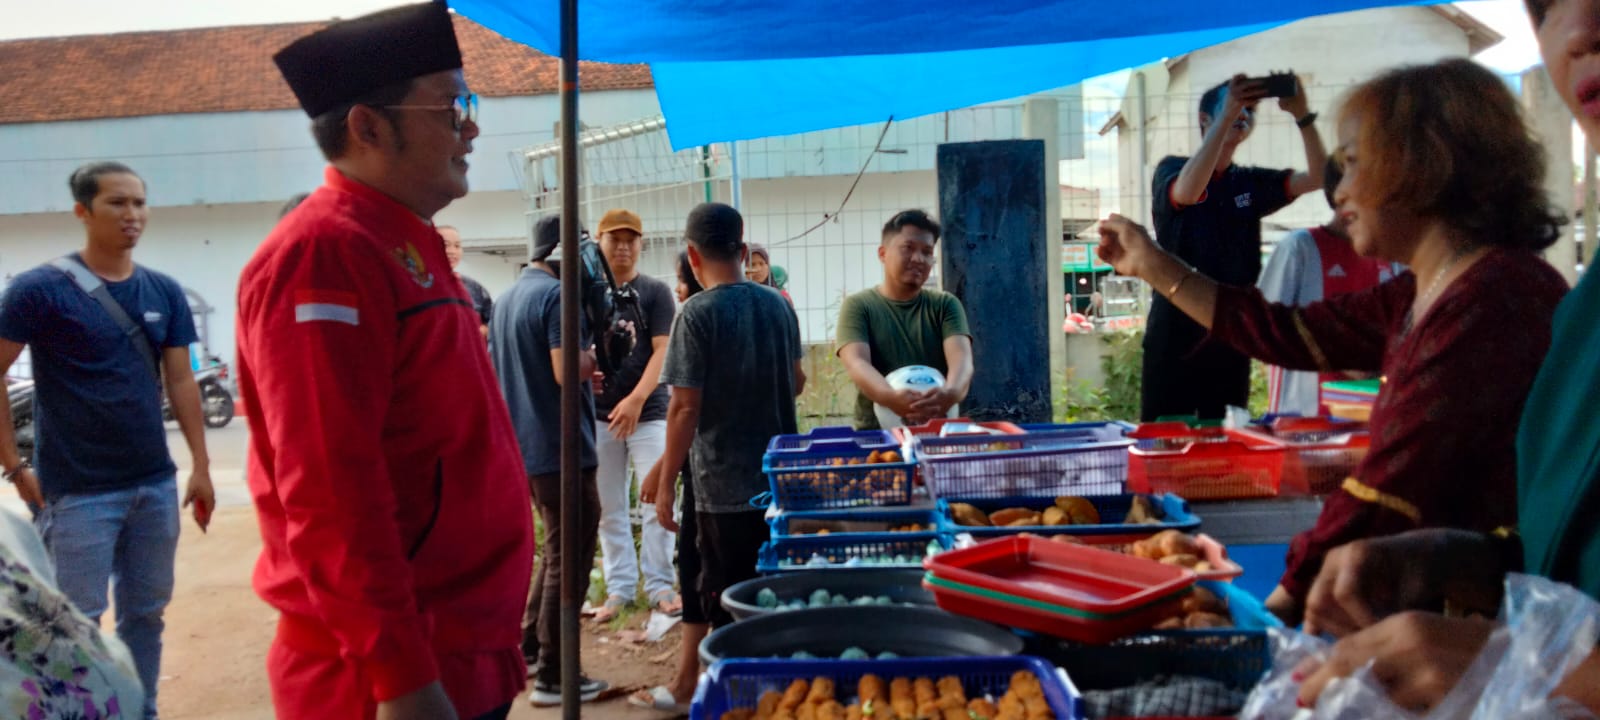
point(620, 220)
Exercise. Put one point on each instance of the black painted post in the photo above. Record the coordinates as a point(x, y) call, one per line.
point(992, 205)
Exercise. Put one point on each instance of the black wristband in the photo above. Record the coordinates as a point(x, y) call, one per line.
point(1305, 122)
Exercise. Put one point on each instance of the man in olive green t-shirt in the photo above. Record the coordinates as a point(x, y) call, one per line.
point(900, 323)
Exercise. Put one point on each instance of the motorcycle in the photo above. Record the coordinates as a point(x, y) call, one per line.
point(216, 396)
point(20, 392)
point(216, 402)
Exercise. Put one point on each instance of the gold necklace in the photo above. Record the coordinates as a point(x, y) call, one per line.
point(1428, 293)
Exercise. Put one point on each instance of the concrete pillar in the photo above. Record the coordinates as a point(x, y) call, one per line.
point(1552, 123)
point(1041, 120)
point(992, 200)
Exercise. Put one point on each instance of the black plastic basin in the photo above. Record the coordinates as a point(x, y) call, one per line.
point(901, 586)
point(828, 632)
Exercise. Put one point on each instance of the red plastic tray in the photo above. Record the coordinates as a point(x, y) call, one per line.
point(1223, 568)
point(1320, 454)
point(1070, 576)
point(1203, 464)
point(1034, 616)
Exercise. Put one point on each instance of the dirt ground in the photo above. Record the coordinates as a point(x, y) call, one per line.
point(218, 631)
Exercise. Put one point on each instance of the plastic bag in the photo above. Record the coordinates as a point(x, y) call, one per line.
point(1546, 629)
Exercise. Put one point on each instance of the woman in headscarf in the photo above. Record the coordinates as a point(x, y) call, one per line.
point(759, 270)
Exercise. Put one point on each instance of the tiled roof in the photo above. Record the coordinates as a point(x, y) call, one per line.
point(229, 69)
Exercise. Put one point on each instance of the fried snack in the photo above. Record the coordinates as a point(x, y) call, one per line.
point(1203, 567)
point(821, 691)
point(1171, 623)
point(969, 516)
point(981, 709)
point(1056, 516)
point(1010, 516)
point(951, 693)
point(1032, 521)
point(1079, 510)
point(830, 710)
point(1172, 542)
point(1204, 620)
point(1142, 512)
point(857, 712)
point(768, 704)
point(1184, 560)
point(901, 699)
point(1066, 539)
point(1145, 549)
point(1025, 683)
point(1202, 600)
point(806, 711)
point(870, 688)
point(794, 696)
point(927, 698)
point(889, 456)
point(1035, 708)
point(739, 714)
point(1011, 708)
point(957, 712)
point(874, 458)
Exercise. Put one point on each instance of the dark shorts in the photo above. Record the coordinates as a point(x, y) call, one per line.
point(694, 611)
point(729, 544)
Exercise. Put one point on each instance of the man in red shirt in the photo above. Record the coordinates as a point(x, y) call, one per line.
point(398, 535)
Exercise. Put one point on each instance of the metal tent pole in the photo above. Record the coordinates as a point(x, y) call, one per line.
point(571, 479)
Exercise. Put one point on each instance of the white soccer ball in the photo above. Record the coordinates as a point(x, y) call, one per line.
point(915, 377)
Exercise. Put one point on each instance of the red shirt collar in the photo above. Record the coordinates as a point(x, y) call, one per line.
point(338, 181)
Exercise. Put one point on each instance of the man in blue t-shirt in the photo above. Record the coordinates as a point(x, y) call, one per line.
point(101, 482)
point(525, 346)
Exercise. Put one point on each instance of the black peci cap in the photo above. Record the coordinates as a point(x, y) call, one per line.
point(348, 59)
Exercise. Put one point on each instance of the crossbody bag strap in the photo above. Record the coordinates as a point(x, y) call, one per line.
point(96, 288)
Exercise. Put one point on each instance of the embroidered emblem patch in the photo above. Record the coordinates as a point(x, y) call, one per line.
point(411, 260)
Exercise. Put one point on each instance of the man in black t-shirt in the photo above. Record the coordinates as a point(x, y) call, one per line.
point(631, 424)
point(481, 304)
point(1208, 212)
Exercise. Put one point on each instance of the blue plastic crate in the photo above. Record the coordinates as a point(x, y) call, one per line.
point(1175, 510)
point(836, 437)
point(1236, 657)
point(739, 684)
point(848, 552)
point(823, 477)
point(1077, 459)
point(875, 521)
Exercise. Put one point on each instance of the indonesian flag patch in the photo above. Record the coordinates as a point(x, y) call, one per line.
point(326, 306)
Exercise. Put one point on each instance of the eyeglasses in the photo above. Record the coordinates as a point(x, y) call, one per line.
point(463, 108)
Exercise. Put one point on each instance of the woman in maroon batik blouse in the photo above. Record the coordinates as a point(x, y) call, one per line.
point(1442, 174)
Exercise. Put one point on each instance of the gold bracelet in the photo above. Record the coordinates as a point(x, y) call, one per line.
point(1173, 291)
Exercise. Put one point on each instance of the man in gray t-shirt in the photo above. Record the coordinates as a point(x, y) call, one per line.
point(733, 363)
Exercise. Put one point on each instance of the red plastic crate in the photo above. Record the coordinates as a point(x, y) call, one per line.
point(1321, 452)
point(1072, 591)
point(1204, 464)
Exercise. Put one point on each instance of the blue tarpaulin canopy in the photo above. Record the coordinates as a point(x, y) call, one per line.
point(738, 69)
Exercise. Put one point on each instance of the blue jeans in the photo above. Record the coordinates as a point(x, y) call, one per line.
point(129, 540)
